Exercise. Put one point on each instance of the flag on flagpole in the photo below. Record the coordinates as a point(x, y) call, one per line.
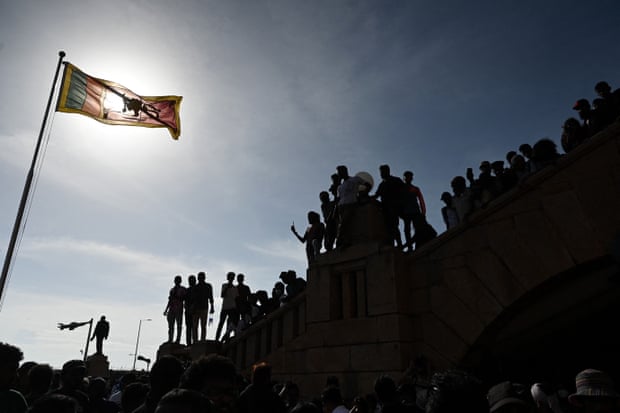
point(114, 104)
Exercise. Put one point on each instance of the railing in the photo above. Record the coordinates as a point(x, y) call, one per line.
point(269, 334)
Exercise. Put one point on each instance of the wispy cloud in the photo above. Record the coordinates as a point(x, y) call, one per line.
point(287, 249)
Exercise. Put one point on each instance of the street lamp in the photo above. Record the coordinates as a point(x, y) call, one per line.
point(135, 354)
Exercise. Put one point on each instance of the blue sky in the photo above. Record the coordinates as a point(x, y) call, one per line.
point(276, 94)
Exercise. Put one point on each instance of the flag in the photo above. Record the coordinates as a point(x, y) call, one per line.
point(114, 104)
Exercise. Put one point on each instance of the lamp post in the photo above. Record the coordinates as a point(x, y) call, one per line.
point(135, 354)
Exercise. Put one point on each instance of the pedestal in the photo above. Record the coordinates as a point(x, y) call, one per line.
point(97, 365)
point(203, 348)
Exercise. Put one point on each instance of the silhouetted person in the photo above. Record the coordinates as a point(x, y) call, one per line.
point(545, 153)
point(165, 376)
point(214, 376)
point(243, 303)
point(456, 391)
point(347, 201)
point(331, 399)
point(54, 403)
point(134, 394)
point(328, 209)
point(385, 389)
point(40, 378)
point(258, 396)
point(413, 209)
point(228, 312)
point(184, 401)
point(203, 306)
point(12, 400)
point(313, 237)
point(72, 382)
point(527, 152)
point(294, 284)
point(391, 190)
point(174, 309)
point(509, 156)
point(97, 393)
point(592, 122)
point(572, 134)
point(462, 199)
point(448, 213)
point(102, 329)
point(190, 309)
point(611, 99)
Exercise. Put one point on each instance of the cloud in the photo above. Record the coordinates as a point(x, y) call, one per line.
point(287, 249)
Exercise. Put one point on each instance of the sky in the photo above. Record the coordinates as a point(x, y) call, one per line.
point(276, 94)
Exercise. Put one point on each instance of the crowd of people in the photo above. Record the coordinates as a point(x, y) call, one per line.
point(398, 199)
point(470, 193)
point(213, 384)
point(193, 305)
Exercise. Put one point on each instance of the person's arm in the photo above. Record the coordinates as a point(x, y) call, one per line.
point(302, 240)
point(210, 297)
point(421, 200)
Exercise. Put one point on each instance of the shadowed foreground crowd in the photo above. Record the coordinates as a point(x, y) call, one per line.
point(212, 384)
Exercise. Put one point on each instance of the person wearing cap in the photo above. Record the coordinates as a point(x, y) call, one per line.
point(508, 397)
point(595, 392)
point(592, 120)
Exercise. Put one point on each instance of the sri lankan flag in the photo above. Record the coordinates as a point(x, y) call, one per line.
point(114, 104)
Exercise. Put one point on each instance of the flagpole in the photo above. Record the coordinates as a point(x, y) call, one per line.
point(22, 205)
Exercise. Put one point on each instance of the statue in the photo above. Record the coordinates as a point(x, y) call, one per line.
point(102, 329)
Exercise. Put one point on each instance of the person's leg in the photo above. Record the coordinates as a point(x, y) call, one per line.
point(203, 324)
point(407, 221)
point(220, 324)
point(179, 323)
point(195, 320)
point(189, 323)
point(170, 319)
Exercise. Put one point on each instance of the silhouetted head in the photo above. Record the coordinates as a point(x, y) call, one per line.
point(261, 374)
point(191, 280)
point(40, 378)
point(331, 398)
point(230, 276)
point(343, 172)
point(545, 150)
point(177, 280)
point(384, 171)
point(278, 289)
point(72, 374)
point(385, 388)
point(581, 105)
point(240, 278)
point(485, 166)
point(165, 375)
point(447, 198)
point(324, 196)
point(10, 356)
point(202, 276)
point(214, 376)
point(102, 318)
point(133, 396)
point(456, 391)
point(602, 88)
point(408, 176)
point(184, 401)
point(509, 156)
point(526, 150)
point(57, 403)
point(497, 167)
point(313, 218)
point(458, 185)
point(517, 163)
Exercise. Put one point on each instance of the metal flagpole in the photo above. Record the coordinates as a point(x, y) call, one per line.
point(22, 205)
point(90, 328)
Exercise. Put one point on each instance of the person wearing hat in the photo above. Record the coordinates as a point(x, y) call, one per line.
point(509, 397)
point(595, 392)
point(592, 122)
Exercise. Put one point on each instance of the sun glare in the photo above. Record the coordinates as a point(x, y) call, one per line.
point(113, 102)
